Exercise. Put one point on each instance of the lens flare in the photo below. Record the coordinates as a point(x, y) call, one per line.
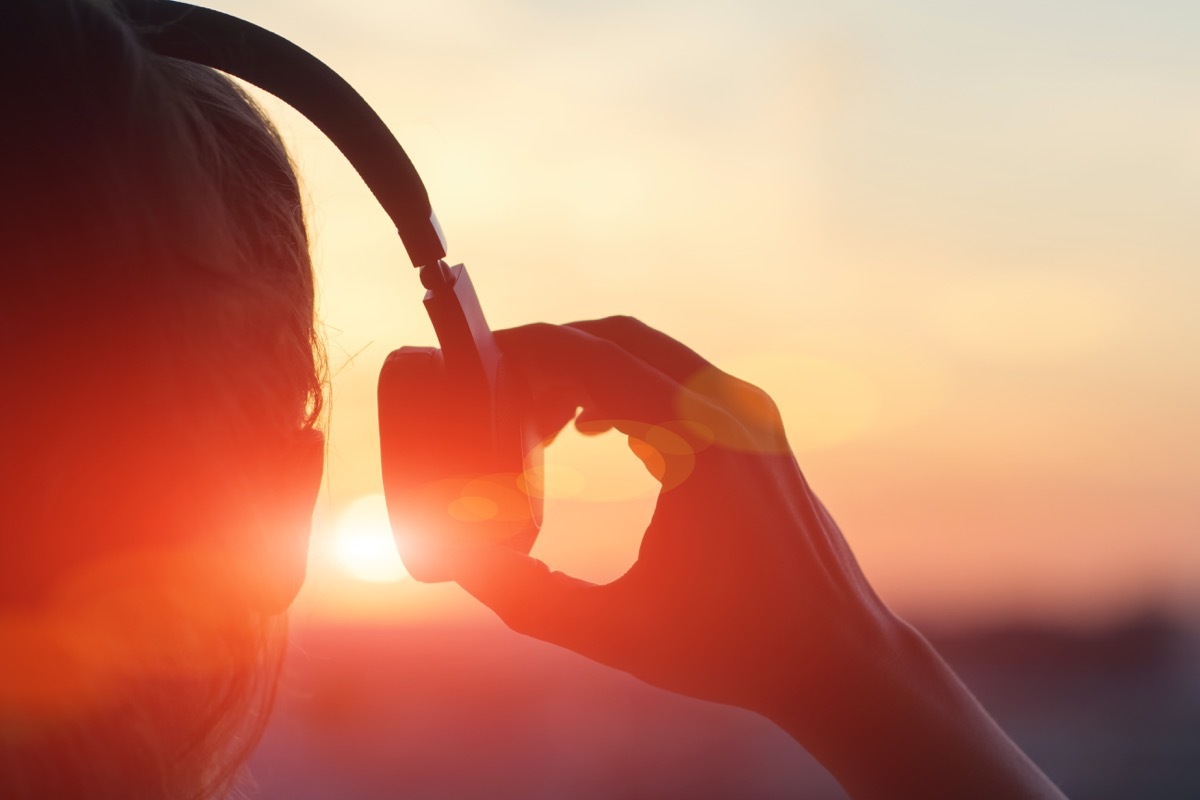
point(363, 545)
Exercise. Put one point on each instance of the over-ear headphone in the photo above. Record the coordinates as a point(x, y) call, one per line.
point(458, 443)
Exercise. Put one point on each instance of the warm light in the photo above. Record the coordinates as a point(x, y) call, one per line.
point(473, 508)
point(825, 402)
point(552, 480)
point(972, 330)
point(595, 468)
point(1027, 316)
point(363, 545)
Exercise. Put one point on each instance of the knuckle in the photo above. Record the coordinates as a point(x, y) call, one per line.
point(624, 322)
point(608, 349)
point(539, 328)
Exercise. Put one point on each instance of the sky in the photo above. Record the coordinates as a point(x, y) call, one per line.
point(956, 242)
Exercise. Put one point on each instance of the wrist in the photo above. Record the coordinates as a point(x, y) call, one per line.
point(873, 667)
point(899, 723)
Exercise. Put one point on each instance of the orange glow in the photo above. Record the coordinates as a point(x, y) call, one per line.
point(363, 544)
point(968, 288)
point(553, 481)
point(162, 614)
point(1024, 316)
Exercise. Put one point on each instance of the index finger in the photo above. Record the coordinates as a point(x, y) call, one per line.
point(607, 380)
point(670, 356)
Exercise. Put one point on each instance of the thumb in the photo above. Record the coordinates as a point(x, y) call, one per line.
point(530, 598)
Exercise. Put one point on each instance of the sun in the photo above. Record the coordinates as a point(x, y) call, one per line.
point(362, 542)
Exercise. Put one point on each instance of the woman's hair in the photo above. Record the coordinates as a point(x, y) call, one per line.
point(157, 320)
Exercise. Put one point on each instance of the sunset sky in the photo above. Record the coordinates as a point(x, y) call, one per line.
point(957, 242)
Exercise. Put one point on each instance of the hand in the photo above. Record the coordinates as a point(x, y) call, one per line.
point(744, 591)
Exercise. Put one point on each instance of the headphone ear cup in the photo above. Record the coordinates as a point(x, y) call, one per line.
point(518, 441)
point(453, 464)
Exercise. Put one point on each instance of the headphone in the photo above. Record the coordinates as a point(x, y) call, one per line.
point(458, 445)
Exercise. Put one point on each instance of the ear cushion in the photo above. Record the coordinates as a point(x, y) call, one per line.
point(448, 485)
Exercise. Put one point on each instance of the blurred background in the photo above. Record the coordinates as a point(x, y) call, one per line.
point(957, 243)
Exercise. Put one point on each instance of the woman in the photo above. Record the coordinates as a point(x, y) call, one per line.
point(162, 463)
point(161, 460)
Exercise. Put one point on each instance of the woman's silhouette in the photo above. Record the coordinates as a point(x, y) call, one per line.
point(161, 462)
point(163, 378)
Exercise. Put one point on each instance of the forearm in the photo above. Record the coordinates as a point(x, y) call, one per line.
point(909, 728)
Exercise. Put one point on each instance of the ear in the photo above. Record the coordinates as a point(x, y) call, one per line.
point(286, 529)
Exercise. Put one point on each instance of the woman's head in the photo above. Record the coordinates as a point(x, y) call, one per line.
point(162, 384)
